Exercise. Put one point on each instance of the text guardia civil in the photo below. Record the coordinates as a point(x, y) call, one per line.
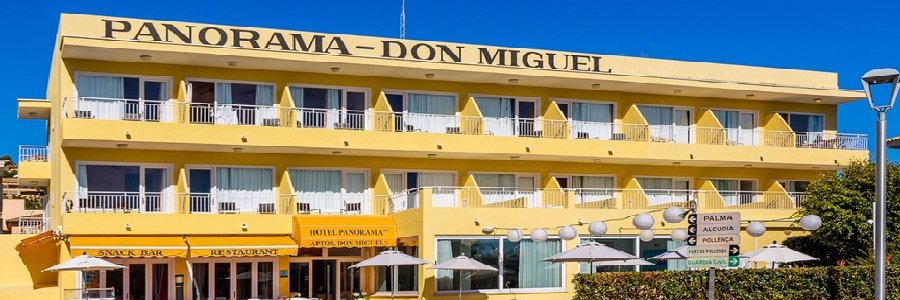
point(335, 45)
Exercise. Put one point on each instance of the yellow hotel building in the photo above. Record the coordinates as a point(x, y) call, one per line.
point(221, 162)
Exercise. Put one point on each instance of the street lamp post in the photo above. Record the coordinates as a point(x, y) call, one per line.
point(874, 77)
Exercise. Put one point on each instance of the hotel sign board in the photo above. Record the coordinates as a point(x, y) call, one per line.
point(342, 45)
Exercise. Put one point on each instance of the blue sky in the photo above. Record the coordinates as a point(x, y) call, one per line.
point(816, 35)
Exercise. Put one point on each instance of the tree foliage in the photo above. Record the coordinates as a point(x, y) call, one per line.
point(843, 199)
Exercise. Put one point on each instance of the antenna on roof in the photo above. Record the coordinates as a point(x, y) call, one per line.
point(403, 20)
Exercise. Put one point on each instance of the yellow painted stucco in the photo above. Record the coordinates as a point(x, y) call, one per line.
point(179, 145)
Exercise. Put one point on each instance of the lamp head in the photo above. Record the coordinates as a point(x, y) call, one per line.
point(881, 76)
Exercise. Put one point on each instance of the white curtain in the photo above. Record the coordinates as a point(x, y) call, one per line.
point(396, 182)
point(657, 115)
point(495, 180)
point(534, 273)
point(592, 182)
point(439, 197)
point(493, 107)
point(432, 104)
point(82, 184)
point(97, 96)
point(224, 113)
point(321, 189)
point(297, 96)
point(246, 187)
point(265, 98)
point(356, 190)
point(436, 179)
point(676, 264)
point(592, 112)
point(334, 104)
point(816, 123)
point(444, 277)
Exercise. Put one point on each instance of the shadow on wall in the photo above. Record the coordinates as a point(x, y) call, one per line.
point(35, 254)
point(431, 286)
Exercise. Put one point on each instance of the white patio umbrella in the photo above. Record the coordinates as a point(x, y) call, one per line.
point(678, 253)
point(84, 263)
point(591, 252)
point(630, 262)
point(463, 263)
point(777, 254)
point(392, 259)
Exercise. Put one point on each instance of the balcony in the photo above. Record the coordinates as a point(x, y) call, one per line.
point(34, 165)
point(117, 202)
point(31, 225)
point(604, 199)
point(274, 116)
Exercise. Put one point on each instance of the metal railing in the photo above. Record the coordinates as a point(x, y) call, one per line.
point(670, 134)
point(798, 198)
point(419, 122)
point(333, 203)
point(747, 200)
point(34, 153)
point(658, 198)
point(228, 202)
point(591, 130)
point(32, 225)
point(727, 136)
point(119, 109)
point(333, 118)
point(237, 114)
point(828, 140)
point(113, 201)
point(404, 200)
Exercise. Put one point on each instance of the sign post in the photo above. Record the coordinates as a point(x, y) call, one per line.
point(714, 240)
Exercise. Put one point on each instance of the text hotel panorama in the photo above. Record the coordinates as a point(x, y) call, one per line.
point(336, 45)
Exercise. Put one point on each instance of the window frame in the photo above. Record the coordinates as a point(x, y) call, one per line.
point(500, 263)
point(141, 79)
point(538, 113)
point(367, 92)
point(405, 93)
point(739, 111)
point(788, 119)
point(189, 89)
point(571, 101)
point(675, 108)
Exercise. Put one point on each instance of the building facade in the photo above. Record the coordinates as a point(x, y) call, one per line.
point(221, 162)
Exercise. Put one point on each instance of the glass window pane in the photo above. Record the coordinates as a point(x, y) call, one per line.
point(222, 280)
point(160, 285)
point(244, 277)
point(114, 280)
point(407, 276)
point(137, 277)
point(299, 279)
point(200, 284)
point(264, 278)
point(132, 88)
point(356, 101)
point(486, 251)
point(523, 268)
point(396, 102)
point(349, 281)
point(101, 178)
point(653, 248)
point(622, 244)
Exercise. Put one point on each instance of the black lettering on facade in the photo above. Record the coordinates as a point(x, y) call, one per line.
point(551, 61)
point(252, 39)
point(447, 52)
point(417, 53)
point(110, 28)
point(315, 43)
point(596, 63)
point(277, 39)
point(150, 31)
point(528, 62)
point(486, 58)
point(186, 38)
point(576, 63)
point(337, 43)
point(221, 40)
point(386, 47)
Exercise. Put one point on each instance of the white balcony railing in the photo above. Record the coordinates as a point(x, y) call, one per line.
point(112, 201)
point(236, 114)
point(670, 134)
point(734, 198)
point(798, 198)
point(120, 109)
point(596, 198)
point(334, 202)
point(662, 197)
point(230, 202)
point(591, 130)
point(34, 153)
point(333, 119)
point(32, 225)
point(434, 123)
point(524, 127)
point(824, 140)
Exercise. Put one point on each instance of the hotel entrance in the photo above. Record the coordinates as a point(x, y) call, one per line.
point(239, 278)
point(327, 276)
point(143, 279)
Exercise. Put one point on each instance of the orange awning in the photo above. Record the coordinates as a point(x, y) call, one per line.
point(230, 246)
point(345, 231)
point(128, 246)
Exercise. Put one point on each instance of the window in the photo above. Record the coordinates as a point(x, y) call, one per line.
point(498, 188)
point(231, 189)
point(740, 126)
point(804, 122)
point(736, 191)
point(330, 107)
point(794, 186)
point(519, 263)
point(589, 120)
point(509, 116)
point(424, 112)
point(404, 187)
point(664, 190)
point(330, 190)
point(222, 102)
point(634, 246)
point(407, 276)
point(598, 190)
point(122, 98)
point(123, 187)
point(667, 124)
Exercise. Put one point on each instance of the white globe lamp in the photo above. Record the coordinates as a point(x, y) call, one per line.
point(539, 235)
point(567, 233)
point(810, 222)
point(514, 235)
point(643, 221)
point(679, 235)
point(646, 235)
point(673, 214)
point(597, 228)
point(756, 229)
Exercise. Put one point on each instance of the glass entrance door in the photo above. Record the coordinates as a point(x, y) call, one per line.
point(233, 280)
point(323, 279)
point(142, 280)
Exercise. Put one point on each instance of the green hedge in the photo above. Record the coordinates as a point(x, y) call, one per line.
point(764, 284)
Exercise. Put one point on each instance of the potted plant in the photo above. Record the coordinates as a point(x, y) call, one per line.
point(360, 295)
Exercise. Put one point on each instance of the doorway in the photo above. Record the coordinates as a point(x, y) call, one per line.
point(233, 279)
point(142, 280)
point(326, 277)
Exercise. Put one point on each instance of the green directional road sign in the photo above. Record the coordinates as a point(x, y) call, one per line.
point(734, 261)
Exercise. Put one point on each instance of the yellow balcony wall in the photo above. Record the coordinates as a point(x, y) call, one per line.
point(175, 224)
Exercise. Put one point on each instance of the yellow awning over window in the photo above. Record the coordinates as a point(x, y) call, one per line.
point(229, 246)
point(128, 246)
point(345, 231)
